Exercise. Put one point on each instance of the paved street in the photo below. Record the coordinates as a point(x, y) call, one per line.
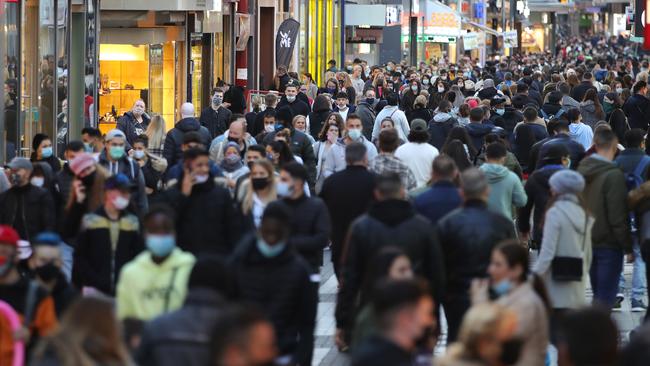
point(326, 354)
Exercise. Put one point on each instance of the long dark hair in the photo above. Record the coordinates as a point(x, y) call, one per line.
point(516, 254)
point(286, 155)
point(455, 149)
point(459, 133)
point(378, 268)
point(592, 95)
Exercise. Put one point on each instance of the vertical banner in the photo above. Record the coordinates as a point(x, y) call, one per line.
point(510, 39)
point(639, 14)
point(285, 41)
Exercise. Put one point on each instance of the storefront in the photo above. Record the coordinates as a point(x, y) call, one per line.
point(437, 31)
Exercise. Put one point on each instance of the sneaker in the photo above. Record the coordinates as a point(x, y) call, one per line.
point(638, 306)
point(617, 306)
point(620, 297)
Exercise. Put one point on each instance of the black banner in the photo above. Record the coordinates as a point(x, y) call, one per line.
point(285, 41)
point(639, 8)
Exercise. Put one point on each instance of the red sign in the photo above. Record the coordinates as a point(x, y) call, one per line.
point(646, 27)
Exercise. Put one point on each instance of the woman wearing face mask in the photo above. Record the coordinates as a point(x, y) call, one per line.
point(437, 94)
point(152, 167)
point(510, 286)
point(331, 87)
point(321, 112)
point(345, 85)
point(279, 153)
point(408, 99)
point(260, 192)
point(426, 83)
point(232, 166)
point(419, 110)
point(328, 137)
point(312, 88)
point(565, 258)
point(43, 152)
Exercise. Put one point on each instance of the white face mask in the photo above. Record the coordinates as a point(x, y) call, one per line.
point(138, 110)
point(120, 202)
point(38, 181)
point(414, 88)
point(269, 128)
point(291, 98)
point(441, 89)
point(425, 81)
point(138, 154)
point(201, 178)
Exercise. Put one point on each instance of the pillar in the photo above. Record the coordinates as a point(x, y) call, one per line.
point(76, 73)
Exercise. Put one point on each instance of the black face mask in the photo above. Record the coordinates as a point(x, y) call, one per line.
point(511, 350)
point(260, 183)
point(88, 180)
point(47, 272)
point(233, 139)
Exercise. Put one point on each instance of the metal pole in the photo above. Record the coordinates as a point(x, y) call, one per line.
point(342, 32)
point(241, 57)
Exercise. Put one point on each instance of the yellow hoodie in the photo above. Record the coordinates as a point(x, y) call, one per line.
point(146, 290)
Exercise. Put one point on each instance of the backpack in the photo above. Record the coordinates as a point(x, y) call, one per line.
point(633, 180)
point(548, 117)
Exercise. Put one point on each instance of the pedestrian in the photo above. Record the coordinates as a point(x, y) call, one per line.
point(152, 166)
point(109, 238)
point(312, 88)
point(591, 109)
point(606, 196)
point(174, 140)
point(393, 112)
point(43, 177)
point(279, 153)
point(335, 157)
point(280, 79)
point(343, 106)
point(156, 135)
point(299, 123)
point(290, 100)
point(476, 129)
point(66, 175)
point(467, 236)
point(418, 154)
point(191, 140)
point(366, 111)
point(389, 221)
point(559, 135)
point(215, 117)
point(637, 107)
point(441, 196)
point(27, 208)
point(441, 124)
point(327, 139)
point(579, 132)
point(134, 122)
point(43, 152)
point(271, 275)
point(506, 189)
point(347, 195)
point(407, 103)
point(615, 116)
point(206, 219)
point(404, 312)
point(237, 134)
point(232, 165)
point(526, 134)
point(387, 162)
point(270, 101)
point(589, 336)
point(260, 192)
point(320, 115)
point(579, 91)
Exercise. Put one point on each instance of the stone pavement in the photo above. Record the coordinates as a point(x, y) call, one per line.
point(326, 353)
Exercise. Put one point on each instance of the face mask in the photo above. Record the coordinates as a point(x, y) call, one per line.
point(116, 152)
point(37, 181)
point(619, 90)
point(500, 111)
point(217, 100)
point(467, 74)
point(201, 178)
point(88, 147)
point(510, 351)
point(354, 134)
point(291, 98)
point(160, 245)
point(232, 159)
point(269, 251)
point(47, 272)
point(330, 91)
point(441, 89)
point(120, 202)
point(138, 111)
point(370, 100)
point(284, 189)
point(502, 288)
point(414, 88)
point(389, 68)
point(46, 152)
point(259, 183)
point(138, 154)
point(425, 81)
point(269, 128)
point(6, 264)
point(443, 77)
point(568, 162)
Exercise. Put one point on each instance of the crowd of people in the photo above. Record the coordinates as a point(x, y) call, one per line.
point(489, 195)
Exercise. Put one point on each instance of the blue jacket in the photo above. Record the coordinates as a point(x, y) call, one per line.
point(438, 201)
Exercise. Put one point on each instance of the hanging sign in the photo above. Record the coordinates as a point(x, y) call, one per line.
point(285, 41)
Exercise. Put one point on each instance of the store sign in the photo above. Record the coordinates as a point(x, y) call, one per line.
point(470, 41)
point(285, 41)
point(510, 39)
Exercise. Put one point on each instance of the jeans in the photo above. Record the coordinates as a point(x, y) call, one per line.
point(638, 276)
point(606, 267)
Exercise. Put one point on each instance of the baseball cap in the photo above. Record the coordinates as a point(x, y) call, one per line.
point(21, 163)
point(113, 134)
point(48, 238)
point(118, 181)
point(418, 125)
point(293, 83)
point(8, 236)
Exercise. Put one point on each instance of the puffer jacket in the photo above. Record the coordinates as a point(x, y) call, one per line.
point(174, 139)
point(439, 128)
point(28, 209)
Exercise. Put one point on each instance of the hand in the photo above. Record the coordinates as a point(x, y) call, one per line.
point(188, 182)
point(79, 191)
point(225, 104)
point(231, 183)
point(339, 340)
point(479, 290)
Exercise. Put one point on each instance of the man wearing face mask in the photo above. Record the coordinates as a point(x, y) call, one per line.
point(291, 100)
point(109, 238)
point(216, 117)
point(342, 105)
point(335, 158)
point(155, 282)
point(45, 266)
point(207, 221)
point(27, 208)
point(92, 140)
point(38, 317)
point(116, 161)
point(366, 111)
point(271, 274)
point(152, 167)
point(134, 122)
point(66, 175)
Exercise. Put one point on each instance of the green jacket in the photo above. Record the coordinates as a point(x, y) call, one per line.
point(506, 189)
point(606, 196)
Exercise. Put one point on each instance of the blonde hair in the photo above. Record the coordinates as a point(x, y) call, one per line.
point(247, 203)
point(346, 76)
point(421, 101)
point(482, 321)
point(156, 132)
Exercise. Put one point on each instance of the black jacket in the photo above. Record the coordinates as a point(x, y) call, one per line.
point(207, 221)
point(281, 286)
point(131, 127)
point(182, 337)
point(540, 149)
point(174, 139)
point(439, 127)
point(617, 120)
point(387, 223)
point(52, 161)
point(310, 228)
point(637, 110)
point(551, 110)
point(367, 114)
point(578, 92)
point(425, 114)
point(317, 119)
point(28, 209)
point(538, 192)
point(477, 133)
point(296, 108)
point(379, 351)
point(300, 146)
point(509, 119)
point(468, 235)
point(487, 93)
point(131, 169)
point(96, 264)
point(65, 178)
point(259, 121)
point(215, 121)
point(348, 195)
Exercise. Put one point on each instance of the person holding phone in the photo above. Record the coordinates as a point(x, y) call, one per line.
point(152, 166)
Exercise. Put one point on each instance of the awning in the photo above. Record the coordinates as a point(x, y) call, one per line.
point(485, 29)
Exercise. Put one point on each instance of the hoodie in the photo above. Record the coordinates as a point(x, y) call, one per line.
point(174, 139)
point(606, 196)
point(589, 114)
point(439, 128)
point(582, 134)
point(477, 132)
point(506, 189)
point(146, 290)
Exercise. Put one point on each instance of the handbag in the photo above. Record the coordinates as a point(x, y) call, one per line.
point(569, 269)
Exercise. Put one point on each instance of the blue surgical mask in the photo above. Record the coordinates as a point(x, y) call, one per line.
point(116, 152)
point(88, 147)
point(46, 152)
point(500, 111)
point(160, 245)
point(270, 251)
point(502, 288)
point(354, 134)
point(284, 189)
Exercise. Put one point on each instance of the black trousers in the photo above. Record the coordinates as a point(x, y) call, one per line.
point(455, 308)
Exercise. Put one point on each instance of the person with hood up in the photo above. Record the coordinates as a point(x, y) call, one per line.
point(134, 122)
point(366, 111)
point(231, 165)
point(506, 189)
point(393, 112)
point(172, 148)
point(579, 132)
point(42, 152)
point(476, 129)
point(154, 282)
point(441, 124)
point(606, 196)
point(488, 91)
point(590, 109)
point(215, 117)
